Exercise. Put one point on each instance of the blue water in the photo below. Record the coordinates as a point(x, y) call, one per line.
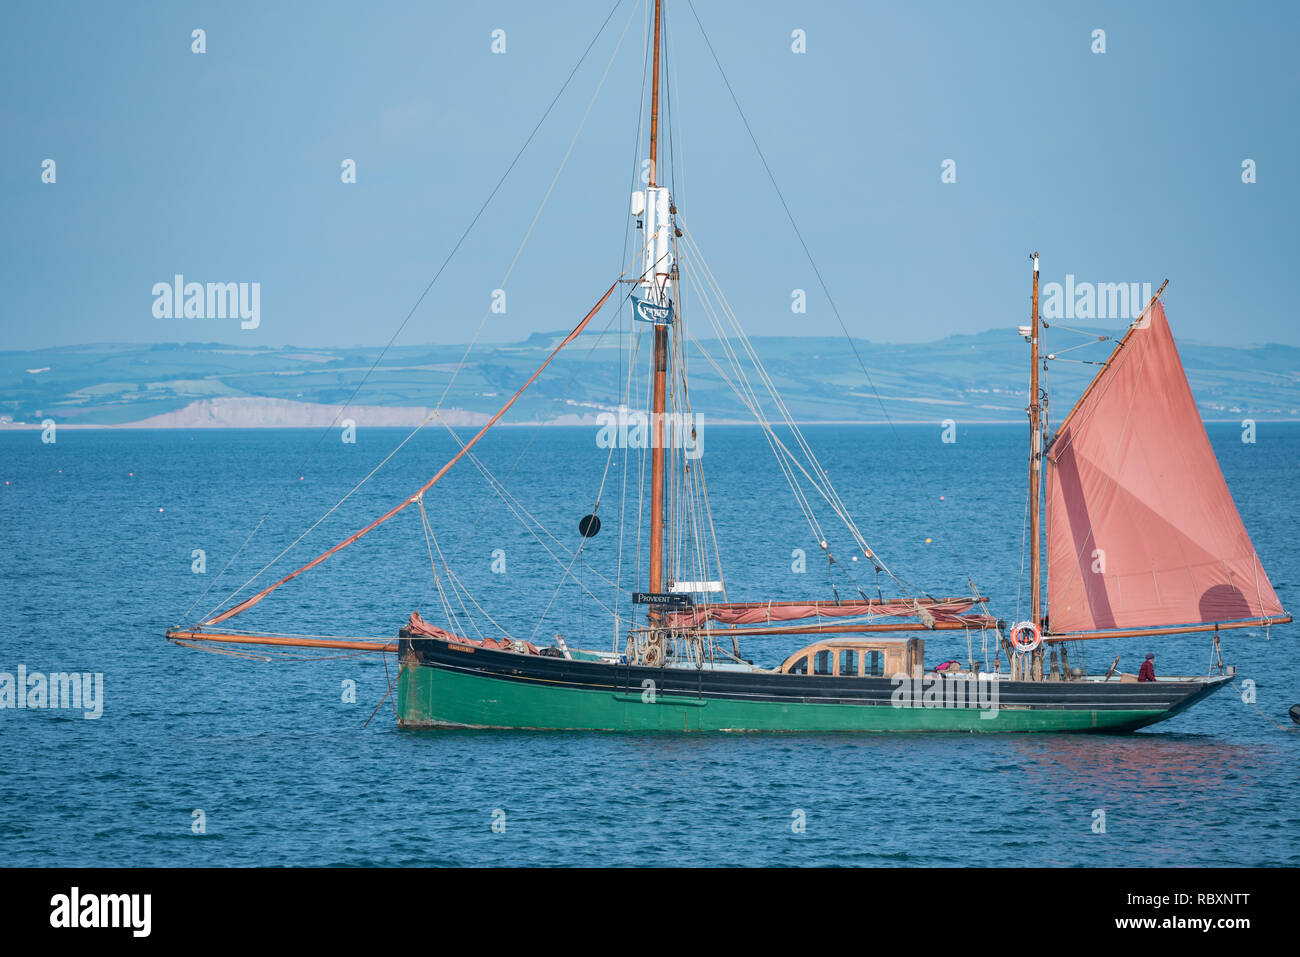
point(96, 564)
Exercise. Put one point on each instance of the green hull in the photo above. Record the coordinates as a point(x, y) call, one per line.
point(431, 697)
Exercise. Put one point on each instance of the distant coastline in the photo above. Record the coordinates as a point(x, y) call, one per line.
point(968, 379)
point(281, 414)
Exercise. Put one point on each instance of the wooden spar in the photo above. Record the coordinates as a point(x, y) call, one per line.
point(1035, 468)
point(830, 629)
point(654, 109)
point(1171, 630)
point(253, 600)
point(287, 642)
point(1106, 365)
point(660, 368)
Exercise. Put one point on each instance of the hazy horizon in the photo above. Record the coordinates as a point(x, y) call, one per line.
point(1121, 166)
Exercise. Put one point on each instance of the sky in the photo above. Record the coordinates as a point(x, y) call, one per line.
point(226, 166)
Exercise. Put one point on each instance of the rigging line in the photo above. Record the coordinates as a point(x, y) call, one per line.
point(231, 652)
point(823, 479)
point(577, 551)
point(1241, 691)
point(752, 355)
point(254, 599)
point(457, 589)
point(545, 199)
point(500, 487)
point(459, 584)
point(515, 507)
point(1046, 534)
point(1055, 356)
point(536, 432)
point(828, 492)
point(749, 397)
point(292, 634)
point(770, 437)
point(694, 494)
point(668, 115)
point(473, 222)
point(399, 674)
point(448, 612)
point(446, 605)
point(461, 364)
point(699, 471)
point(645, 456)
point(260, 572)
point(676, 153)
point(692, 470)
point(629, 228)
point(432, 415)
point(634, 345)
point(624, 411)
point(386, 693)
point(785, 459)
point(750, 401)
point(1020, 578)
point(1081, 332)
point(779, 449)
point(822, 483)
point(821, 281)
point(271, 656)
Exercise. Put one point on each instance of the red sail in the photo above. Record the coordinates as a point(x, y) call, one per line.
point(1142, 529)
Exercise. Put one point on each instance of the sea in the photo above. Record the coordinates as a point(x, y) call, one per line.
point(110, 537)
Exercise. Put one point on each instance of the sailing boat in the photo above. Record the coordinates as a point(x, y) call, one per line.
point(1141, 538)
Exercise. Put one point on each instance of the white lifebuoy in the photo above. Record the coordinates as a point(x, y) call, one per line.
point(1014, 631)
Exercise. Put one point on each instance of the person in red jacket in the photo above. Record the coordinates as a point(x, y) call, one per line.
point(1148, 670)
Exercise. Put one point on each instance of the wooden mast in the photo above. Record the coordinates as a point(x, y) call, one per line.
point(660, 362)
point(654, 108)
point(1035, 481)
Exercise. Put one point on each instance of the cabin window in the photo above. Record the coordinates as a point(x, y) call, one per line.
point(848, 663)
point(823, 663)
point(873, 663)
point(800, 667)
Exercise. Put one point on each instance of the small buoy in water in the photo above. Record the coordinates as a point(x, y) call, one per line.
point(1295, 713)
point(160, 510)
point(132, 474)
point(927, 541)
point(941, 498)
point(588, 525)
